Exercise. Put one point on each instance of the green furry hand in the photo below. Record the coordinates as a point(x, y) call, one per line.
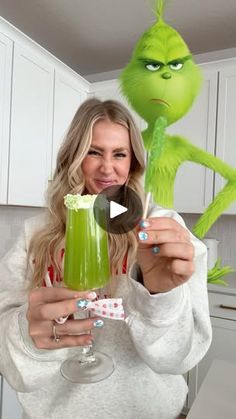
point(215, 274)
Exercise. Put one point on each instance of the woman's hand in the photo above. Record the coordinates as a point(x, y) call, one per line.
point(165, 254)
point(47, 304)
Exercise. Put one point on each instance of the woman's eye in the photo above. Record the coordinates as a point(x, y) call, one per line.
point(176, 66)
point(120, 155)
point(153, 67)
point(93, 153)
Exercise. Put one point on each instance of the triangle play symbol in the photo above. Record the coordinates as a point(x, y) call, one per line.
point(116, 209)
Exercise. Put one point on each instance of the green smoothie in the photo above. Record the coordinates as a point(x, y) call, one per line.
point(86, 260)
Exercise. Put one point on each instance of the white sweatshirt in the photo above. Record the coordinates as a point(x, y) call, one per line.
point(163, 336)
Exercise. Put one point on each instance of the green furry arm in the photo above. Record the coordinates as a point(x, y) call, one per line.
point(224, 198)
point(222, 201)
point(212, 162)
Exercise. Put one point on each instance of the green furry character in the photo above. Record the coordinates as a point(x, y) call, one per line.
point(161, 82)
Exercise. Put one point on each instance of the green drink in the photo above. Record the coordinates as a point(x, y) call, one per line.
point(86, 262)
point(86, 267)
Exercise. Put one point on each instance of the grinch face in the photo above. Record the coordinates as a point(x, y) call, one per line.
point(161, 78)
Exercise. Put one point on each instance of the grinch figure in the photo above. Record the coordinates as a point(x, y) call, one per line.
point(161, 82)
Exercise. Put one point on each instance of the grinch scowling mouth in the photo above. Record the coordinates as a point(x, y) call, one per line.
point(160, 101)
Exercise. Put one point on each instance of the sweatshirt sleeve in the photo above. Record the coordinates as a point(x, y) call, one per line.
point(172, 331)
point(25, 367)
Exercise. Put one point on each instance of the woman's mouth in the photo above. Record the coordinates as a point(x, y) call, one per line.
point(104, 183)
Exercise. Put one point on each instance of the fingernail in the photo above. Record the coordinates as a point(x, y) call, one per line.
point(91, 295)
point(82, 304)
point(98, 323)
point(144, 223)
point(143, 235)
point(155, 249)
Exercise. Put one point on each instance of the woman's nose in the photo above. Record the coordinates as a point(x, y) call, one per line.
point(106, 166)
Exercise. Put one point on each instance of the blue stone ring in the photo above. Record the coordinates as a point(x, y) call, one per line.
point(82, 304)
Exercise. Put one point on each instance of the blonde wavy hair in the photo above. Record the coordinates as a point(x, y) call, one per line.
point(46, 244)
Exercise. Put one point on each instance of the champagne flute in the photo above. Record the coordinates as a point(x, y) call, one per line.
point(86, 267)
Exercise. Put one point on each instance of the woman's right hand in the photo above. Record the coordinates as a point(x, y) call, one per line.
point(47, 304)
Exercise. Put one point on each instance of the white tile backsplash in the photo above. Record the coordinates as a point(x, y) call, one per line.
point(223, 230)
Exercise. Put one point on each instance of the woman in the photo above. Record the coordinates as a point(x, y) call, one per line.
point(166, 329)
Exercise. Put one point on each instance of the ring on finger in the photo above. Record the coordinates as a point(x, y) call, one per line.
point(55, 337)
point(61, 320)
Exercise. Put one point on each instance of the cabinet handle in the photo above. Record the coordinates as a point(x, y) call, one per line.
point(227, 307)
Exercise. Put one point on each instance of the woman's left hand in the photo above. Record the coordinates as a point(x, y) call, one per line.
point(165, 254)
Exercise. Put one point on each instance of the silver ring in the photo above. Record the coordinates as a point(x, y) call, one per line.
point(56, 338)
point(61, 320)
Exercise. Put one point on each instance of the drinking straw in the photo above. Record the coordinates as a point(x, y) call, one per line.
point(147, 200)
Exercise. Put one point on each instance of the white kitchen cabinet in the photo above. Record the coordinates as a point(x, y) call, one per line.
point(194, 183)
point(226, 123)
point(211, 125)
point(38, 98)
point(10, 407)
point(6, 48)
point(216, 398)
point(223, 347)
point(44, 100)
point(70, 92)
point(31, 127)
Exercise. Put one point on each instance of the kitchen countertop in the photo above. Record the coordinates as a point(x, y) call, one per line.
point(216, 398)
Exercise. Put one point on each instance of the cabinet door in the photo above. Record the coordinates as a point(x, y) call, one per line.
point(226, 126)
point(5, 98)
point(223, 347)
point(194, 183)
point(69, 93)
point(11, 408)
point(31, 127)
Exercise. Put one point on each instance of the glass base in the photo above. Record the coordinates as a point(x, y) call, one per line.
point(88, 372)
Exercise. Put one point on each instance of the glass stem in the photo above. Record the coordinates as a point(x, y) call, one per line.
point(87, 356)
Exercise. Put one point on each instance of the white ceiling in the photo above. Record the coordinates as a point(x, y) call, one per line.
point(94, 36)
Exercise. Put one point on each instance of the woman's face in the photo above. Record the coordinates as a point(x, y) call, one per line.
point(109, 157)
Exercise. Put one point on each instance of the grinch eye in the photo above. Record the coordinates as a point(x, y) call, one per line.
point(153, 67)
point(176, 66)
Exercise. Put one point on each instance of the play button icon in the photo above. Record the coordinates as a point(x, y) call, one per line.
point(116, 209)
point(122, 206)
